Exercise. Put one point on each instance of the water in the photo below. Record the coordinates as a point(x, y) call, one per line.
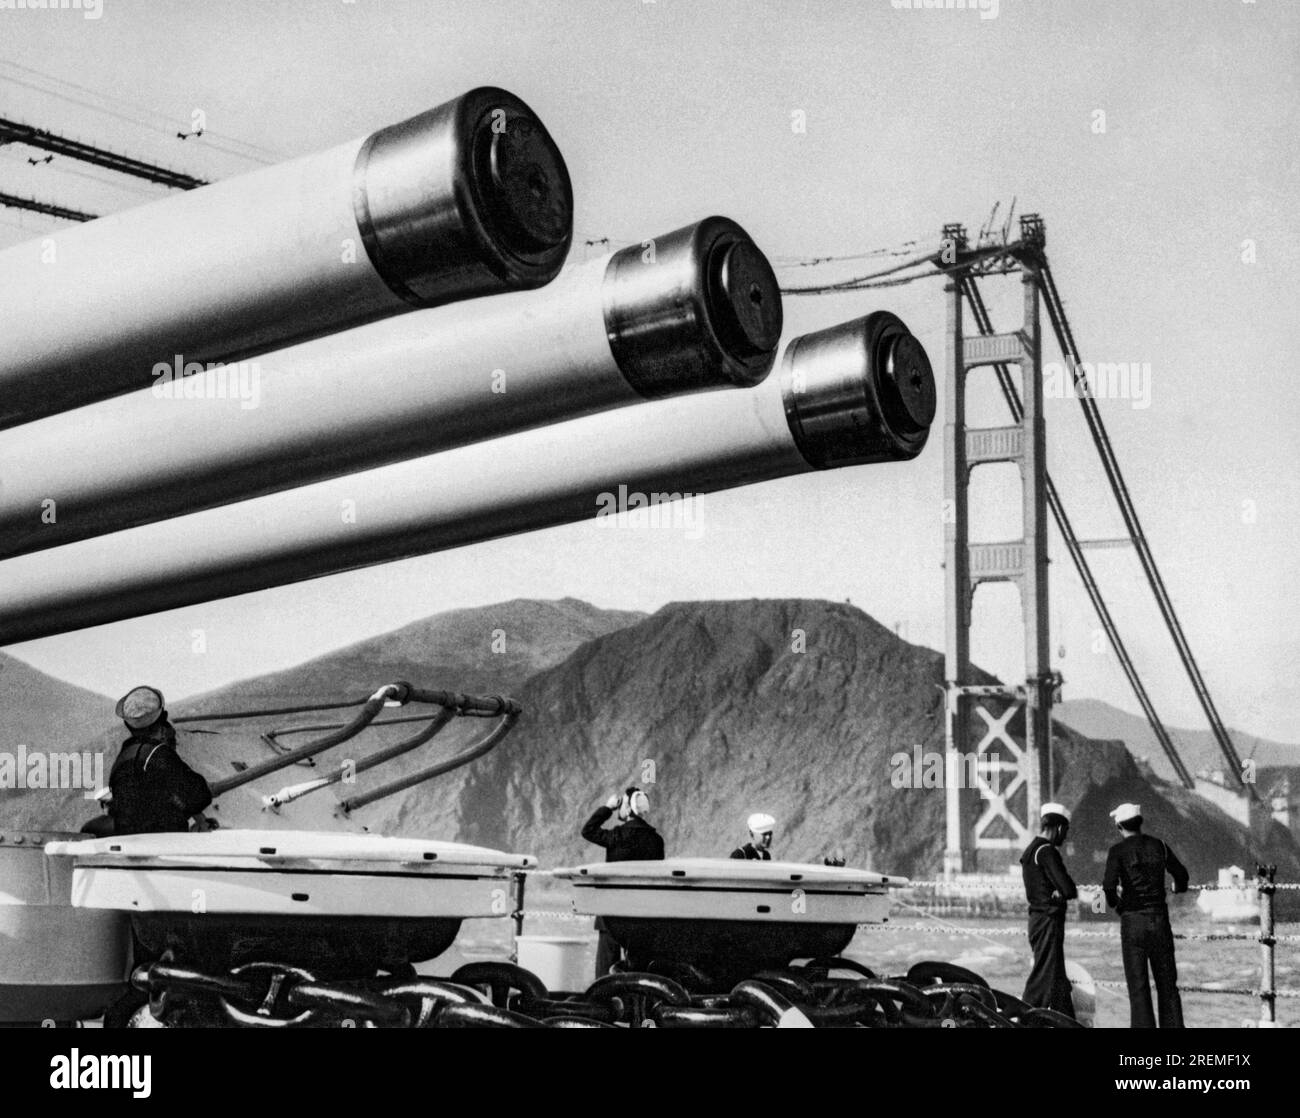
point(998, 949)
point(1004, 961)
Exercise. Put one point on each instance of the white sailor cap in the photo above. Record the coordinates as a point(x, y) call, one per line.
point(1053, 809)
point(1125, 812)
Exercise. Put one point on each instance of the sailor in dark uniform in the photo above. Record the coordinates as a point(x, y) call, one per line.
point(634, 840)
point(1134, 884)
point(759, 846)
point(1049, 889)
point(152, 789)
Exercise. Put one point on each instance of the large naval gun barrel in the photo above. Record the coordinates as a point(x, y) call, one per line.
point(862, 392)
point(696, 309)
point(470, 198)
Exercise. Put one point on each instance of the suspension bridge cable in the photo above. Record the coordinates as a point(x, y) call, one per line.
point(984, 323)
point(49, 209)
point(882, 278)
point(858, 282)
point(15, 132)
point(115, 183)
point(1070, 350)
point(908, 247)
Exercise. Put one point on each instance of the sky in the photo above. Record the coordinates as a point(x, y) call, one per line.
point(1158, 142)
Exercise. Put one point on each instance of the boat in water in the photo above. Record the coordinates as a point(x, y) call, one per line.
point(1235, 901)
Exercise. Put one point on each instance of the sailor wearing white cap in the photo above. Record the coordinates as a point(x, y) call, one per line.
point(1048, 888)
point(759, 846)
point(1134, 884)
point(633, 840)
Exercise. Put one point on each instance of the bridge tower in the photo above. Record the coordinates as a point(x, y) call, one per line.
point(1011, 778)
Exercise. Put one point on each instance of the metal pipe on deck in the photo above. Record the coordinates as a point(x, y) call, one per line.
point(287, 795)
point(470, 198)
point(476, 706)
point(473, 752)
point(862, 392)
point(369, 711)
point(700, 310)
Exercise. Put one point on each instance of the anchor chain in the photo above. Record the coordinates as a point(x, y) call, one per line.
point(825, 993)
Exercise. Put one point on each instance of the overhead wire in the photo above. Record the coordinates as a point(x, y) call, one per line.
point(134, 114)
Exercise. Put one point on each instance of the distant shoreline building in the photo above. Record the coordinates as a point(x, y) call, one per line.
point(1283, 802)
point(1212, 785)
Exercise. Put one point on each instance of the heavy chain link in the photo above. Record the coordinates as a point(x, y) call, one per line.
point(831, 993)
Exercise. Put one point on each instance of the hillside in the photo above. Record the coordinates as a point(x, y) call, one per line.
point(1198, 748)
point(44, 713)
point(735, 720)
point(481, 649)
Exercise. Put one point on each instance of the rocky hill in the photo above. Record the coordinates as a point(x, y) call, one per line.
point(791, 707)
point(482, 649)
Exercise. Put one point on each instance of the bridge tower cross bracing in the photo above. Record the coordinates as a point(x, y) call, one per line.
point(1011, 781)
